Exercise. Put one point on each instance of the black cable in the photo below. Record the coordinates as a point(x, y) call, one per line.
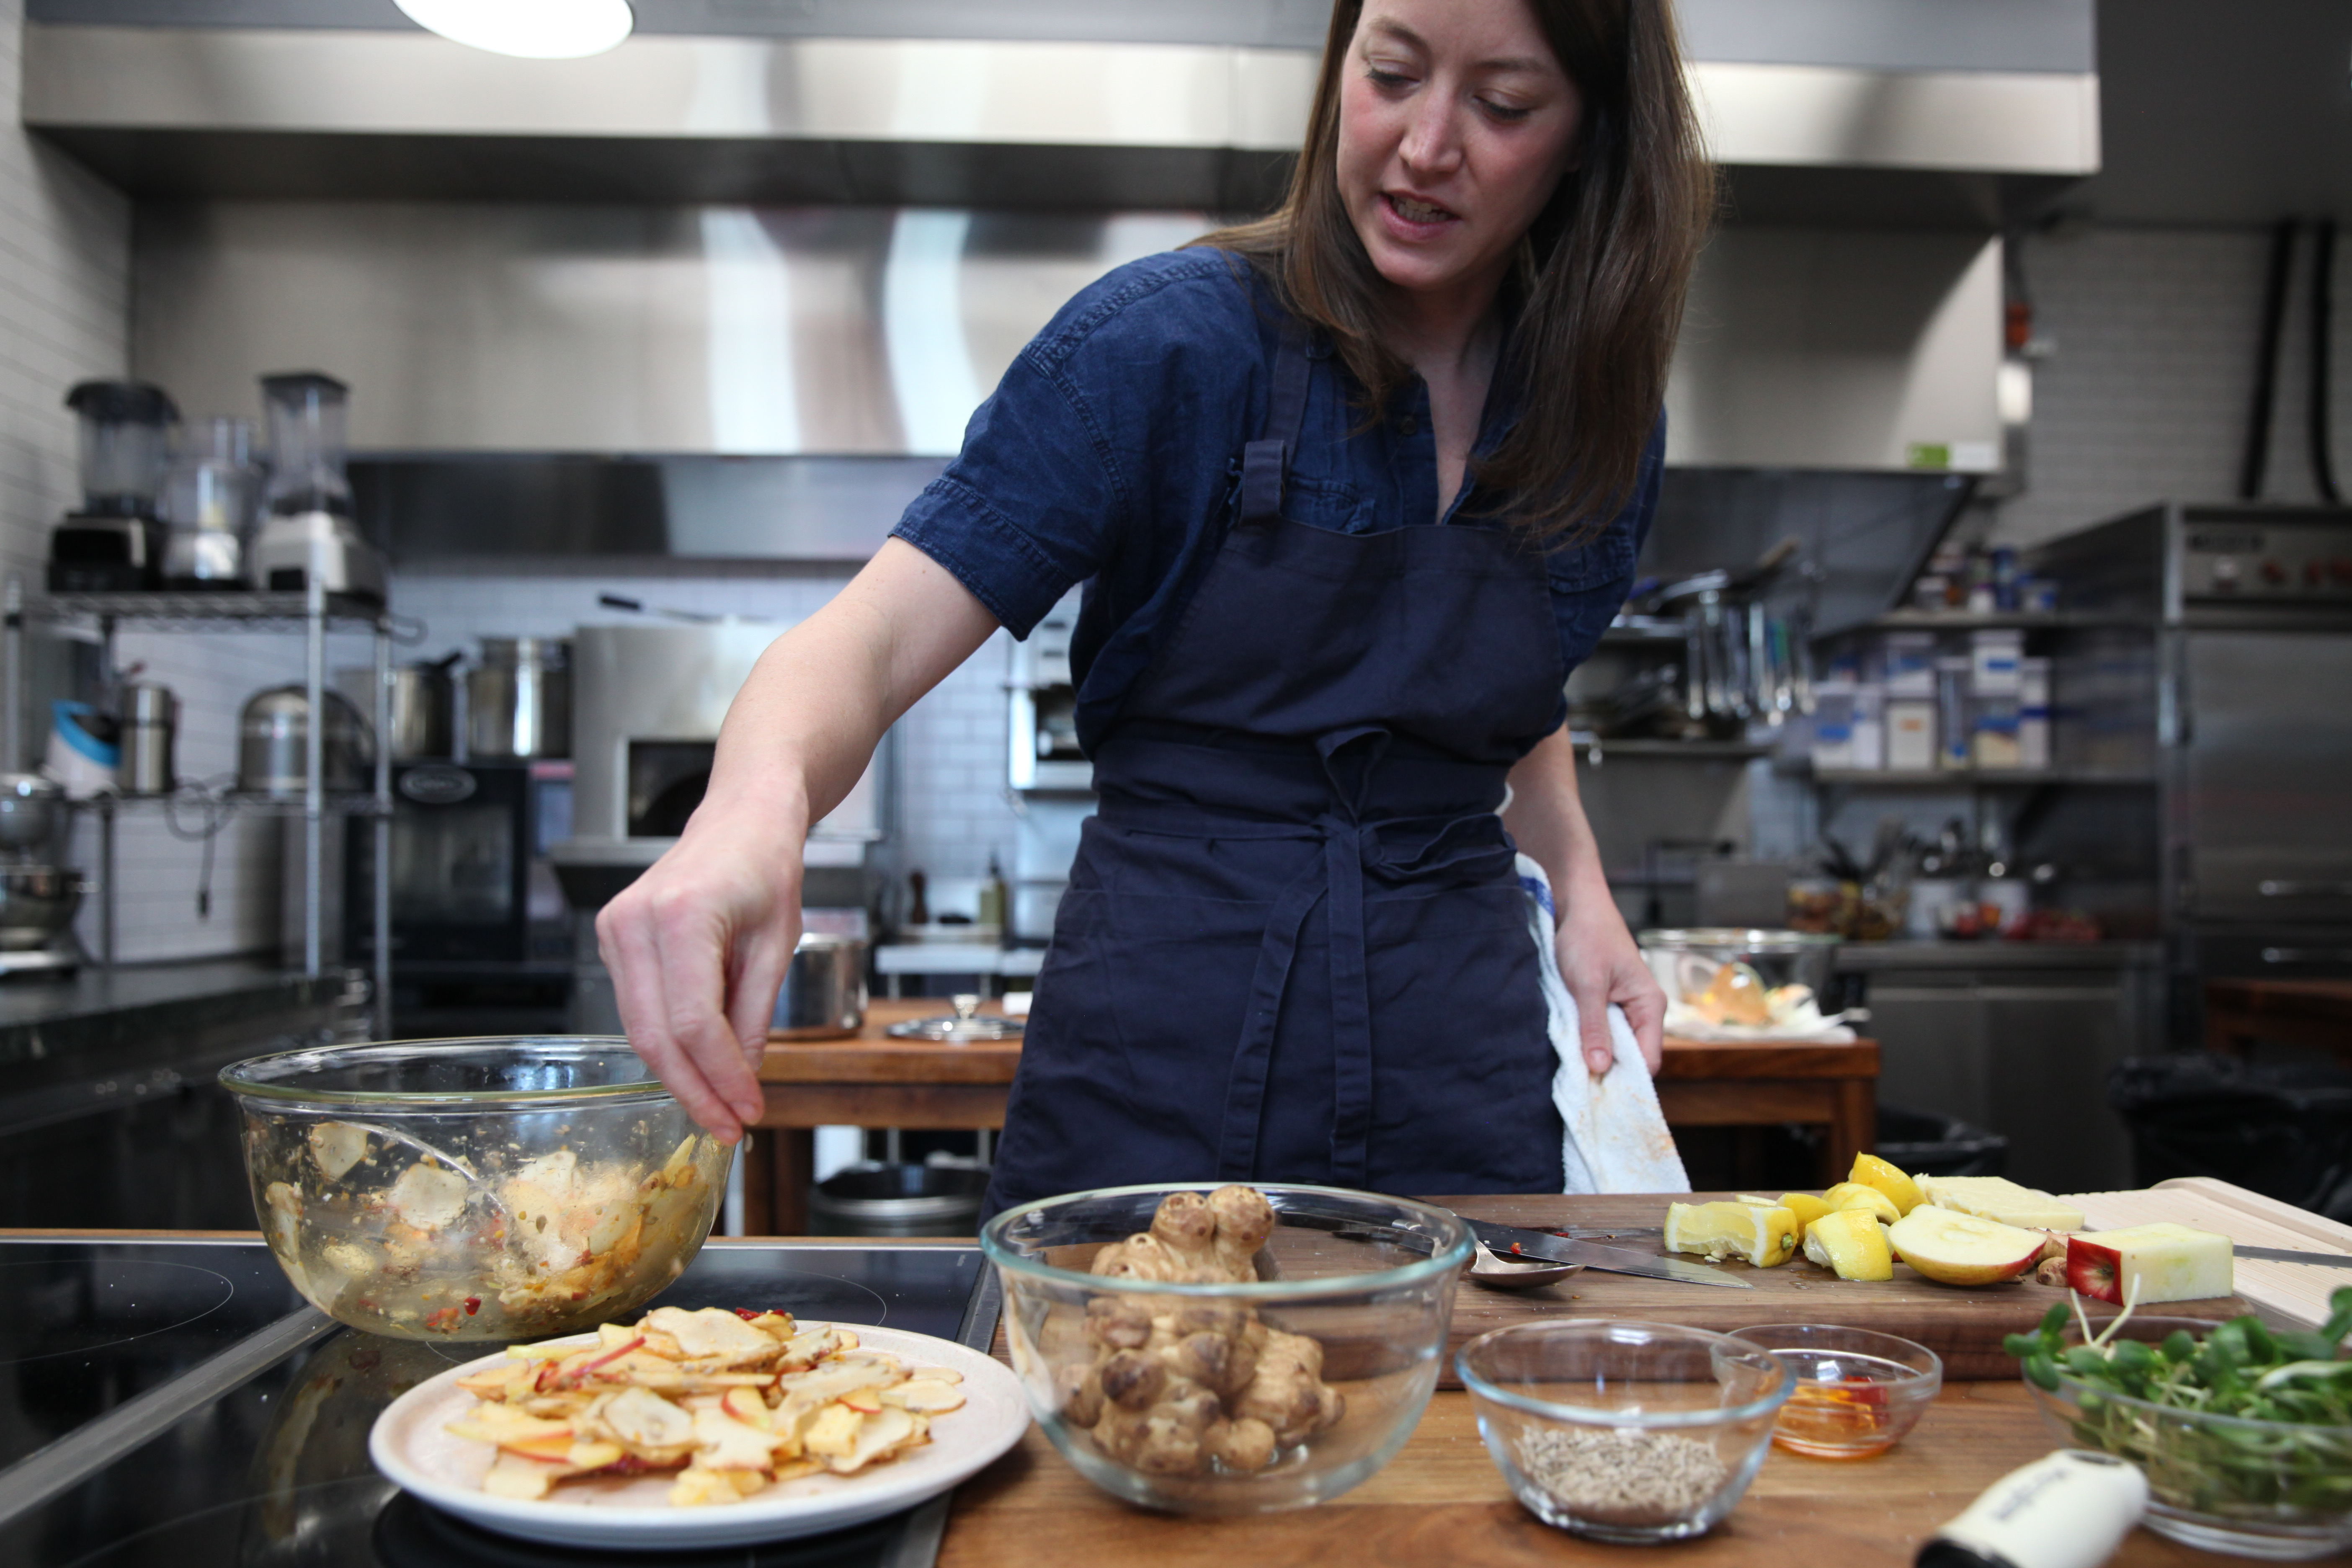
point(2323, 335)
point(2258, 426)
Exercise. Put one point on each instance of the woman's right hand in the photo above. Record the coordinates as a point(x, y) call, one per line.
point(698, 945)
point(698, 948)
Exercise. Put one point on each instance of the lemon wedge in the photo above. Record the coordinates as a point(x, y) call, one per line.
point(1760, 1235)
point(1849, 1243)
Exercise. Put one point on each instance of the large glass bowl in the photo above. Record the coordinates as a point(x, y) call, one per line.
point(485, 1189)
point(1370, 1279)
point(1621, 1430)
point(2275, 1490)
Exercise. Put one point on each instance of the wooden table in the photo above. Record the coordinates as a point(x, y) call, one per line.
point(2292, 1011)
point(872, 1080)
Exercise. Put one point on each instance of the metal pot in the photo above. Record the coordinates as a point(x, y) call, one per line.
point(37, 902)
point(518, 700)
point(32, 808)
point(274, 737)
point(825, 988)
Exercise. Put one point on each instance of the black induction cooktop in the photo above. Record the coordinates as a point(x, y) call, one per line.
point(178, 1403)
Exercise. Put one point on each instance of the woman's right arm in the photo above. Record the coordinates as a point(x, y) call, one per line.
point(698, 945)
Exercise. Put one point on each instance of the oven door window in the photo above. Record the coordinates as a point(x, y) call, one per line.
point(454, 864)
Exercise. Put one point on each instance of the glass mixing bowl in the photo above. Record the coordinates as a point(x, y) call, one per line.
point(1369, 1279)
point(2275, 1490)
point(1858, 1392)
point(484, 1189)
point(1624, 1431)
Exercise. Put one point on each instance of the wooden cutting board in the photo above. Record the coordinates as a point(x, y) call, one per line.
point(1963, 1326)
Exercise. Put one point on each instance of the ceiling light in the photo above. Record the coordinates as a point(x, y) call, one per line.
point(533, 29)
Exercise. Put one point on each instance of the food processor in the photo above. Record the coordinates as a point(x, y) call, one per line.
point(307, 531)
point(210, 494)
point(115, 542)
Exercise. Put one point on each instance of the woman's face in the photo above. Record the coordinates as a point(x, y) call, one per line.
point(1455, 126)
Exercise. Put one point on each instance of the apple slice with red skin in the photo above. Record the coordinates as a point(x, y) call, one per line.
point(1953, 1248)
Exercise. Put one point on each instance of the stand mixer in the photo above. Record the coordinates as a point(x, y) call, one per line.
point(38, 897)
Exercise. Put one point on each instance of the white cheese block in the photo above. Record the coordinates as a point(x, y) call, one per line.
point(2149, 1263)
point(1999, 1198)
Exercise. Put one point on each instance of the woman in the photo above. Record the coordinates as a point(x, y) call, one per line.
point(1354, 487)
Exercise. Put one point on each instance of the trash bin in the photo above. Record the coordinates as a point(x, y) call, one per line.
point(899, 1200)
point(1928, 1145)
point(2280, 1129)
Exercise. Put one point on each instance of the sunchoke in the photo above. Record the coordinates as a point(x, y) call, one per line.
point(1177, 1384)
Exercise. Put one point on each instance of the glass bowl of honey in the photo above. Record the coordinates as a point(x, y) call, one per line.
point(1858, 1391)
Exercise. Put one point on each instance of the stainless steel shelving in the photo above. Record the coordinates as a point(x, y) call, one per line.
point(313, 614)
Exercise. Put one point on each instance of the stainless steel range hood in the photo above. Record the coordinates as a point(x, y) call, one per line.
point(1823, 110)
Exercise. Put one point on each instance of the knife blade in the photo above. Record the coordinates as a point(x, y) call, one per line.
point(1506, 1240)
point(2285, 1254)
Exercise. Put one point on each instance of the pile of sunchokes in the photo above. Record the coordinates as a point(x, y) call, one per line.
point(1176, 1385)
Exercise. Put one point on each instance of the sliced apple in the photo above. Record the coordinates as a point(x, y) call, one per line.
point(1998, 1198)
point(1851, 1244)
point(2146, 1263)
point(1806, 1207)
point(1763, 1237)
point(1856, 1195)
point(1900, 1189)
point(1961, 1249)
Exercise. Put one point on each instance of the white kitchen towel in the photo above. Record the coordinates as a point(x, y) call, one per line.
point(1616, 1139)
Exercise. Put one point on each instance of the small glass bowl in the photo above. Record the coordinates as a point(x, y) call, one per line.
point(1621, 1430)
point(503, 1188)
point(2275, 1489)
point(1371, 1280)
point(1858, 1393)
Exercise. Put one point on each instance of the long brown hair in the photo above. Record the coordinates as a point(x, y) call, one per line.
point(1600, 279)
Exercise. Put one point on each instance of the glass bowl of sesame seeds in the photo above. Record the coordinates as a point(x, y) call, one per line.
point(1624, 1431)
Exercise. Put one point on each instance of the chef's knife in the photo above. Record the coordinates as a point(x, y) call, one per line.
point(2284, 1254)
point(1508, 1240)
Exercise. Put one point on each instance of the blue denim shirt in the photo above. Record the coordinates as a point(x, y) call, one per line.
point(1111, 451)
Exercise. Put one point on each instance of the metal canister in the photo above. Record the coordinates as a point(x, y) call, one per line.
point(151, 723)
point(518, 700)
point(823, 994)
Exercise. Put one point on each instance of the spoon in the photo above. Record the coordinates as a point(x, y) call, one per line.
point(1497, 1272)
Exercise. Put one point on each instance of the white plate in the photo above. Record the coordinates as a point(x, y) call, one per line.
point(409, 1446)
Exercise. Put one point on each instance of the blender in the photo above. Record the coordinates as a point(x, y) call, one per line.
point(115, 542)
point(209, 497)
point(307, 532)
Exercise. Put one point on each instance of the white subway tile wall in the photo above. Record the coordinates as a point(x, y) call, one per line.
point(65, 290)
point(950, 809)
point(2145, 396)
point(65, 298)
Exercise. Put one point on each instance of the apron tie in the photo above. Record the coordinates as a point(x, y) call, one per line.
point(1352, 850)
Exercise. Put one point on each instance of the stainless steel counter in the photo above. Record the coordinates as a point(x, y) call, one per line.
point(1870, 957)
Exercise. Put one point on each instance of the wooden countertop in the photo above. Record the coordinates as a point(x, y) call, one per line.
point(1442, 1502)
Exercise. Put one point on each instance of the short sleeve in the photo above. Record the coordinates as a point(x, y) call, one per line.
point(1025, 509)
point(1589, 582)
point(1095, 439)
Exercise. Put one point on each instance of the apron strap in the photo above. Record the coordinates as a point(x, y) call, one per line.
point(1266, 460)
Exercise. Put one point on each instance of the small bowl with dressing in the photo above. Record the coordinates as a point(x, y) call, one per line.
point(1858, 1392)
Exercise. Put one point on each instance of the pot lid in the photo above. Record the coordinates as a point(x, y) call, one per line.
point(961, 1027)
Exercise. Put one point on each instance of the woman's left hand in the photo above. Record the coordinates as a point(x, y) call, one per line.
point(1600, 963)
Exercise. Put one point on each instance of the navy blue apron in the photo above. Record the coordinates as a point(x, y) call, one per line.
point(1295, 948)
